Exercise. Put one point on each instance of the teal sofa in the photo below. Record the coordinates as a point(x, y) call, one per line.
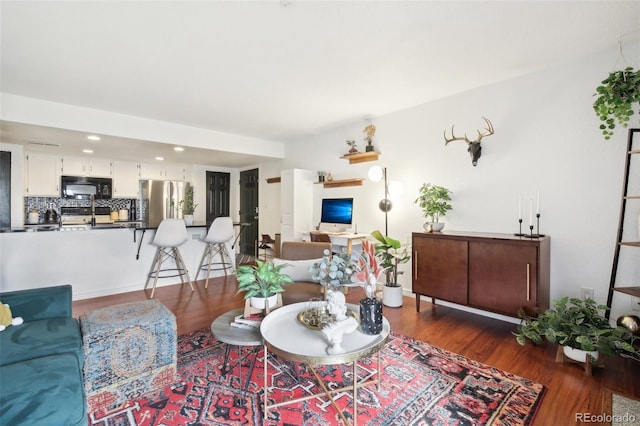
point(41, 360)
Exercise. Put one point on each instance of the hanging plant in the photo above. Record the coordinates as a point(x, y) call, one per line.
point(615, 100)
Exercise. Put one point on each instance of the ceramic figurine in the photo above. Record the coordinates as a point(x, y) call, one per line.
point(341, 325)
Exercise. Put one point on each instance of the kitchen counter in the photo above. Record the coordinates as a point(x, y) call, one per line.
point(101, 260)
point(126, 224)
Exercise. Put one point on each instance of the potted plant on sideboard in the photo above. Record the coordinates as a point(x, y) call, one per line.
point(392, 253)
point(262, 282)
point(434, 202)
point(187, 206)
point(578, 327)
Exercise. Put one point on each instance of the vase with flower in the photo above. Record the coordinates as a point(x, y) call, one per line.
point(368, 270)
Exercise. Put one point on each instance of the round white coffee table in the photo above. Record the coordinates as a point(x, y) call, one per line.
point(285, 336)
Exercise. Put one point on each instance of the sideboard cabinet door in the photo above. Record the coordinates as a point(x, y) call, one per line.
point(440, 268)
point(503, 276)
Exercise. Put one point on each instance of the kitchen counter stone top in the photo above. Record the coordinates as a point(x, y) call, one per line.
point(54, 227)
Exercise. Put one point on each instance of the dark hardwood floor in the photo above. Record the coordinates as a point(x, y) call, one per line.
point(483, 339)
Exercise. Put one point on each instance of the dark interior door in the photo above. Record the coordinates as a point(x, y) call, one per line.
point(249, 210)
point(217, 195)
point(5, 188)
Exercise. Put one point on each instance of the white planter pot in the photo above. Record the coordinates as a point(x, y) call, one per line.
point(392, 296)
point(433, 226)
point(578, 354)
point(259, 302)
point(188, 219)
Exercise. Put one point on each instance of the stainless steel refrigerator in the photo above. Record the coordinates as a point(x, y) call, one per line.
point(159, 199)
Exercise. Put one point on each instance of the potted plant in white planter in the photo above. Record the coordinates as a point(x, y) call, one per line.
point(187, 206)
point(434, 202)
point(392, 253)
point(578, 326)
point(262, 282)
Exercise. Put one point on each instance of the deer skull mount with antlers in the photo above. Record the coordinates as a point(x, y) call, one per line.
point(475, 149)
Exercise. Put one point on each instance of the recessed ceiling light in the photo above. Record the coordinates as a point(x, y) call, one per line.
point(93, 138)
point(87, 151)
point(178, 148)
point(42, 143)
point(159, 158)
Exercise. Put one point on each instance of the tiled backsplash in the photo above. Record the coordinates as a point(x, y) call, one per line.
point(41, 204)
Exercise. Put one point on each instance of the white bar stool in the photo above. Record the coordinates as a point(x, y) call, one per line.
point(220, 232)
point(171, 233)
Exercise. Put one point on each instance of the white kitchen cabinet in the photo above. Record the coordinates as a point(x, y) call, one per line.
point(162, 171)
point(296, 206)
point(174, 171)
point(42, 175)
point(125, 179)
point(80, 166)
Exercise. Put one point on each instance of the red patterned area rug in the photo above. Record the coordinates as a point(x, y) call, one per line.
point(421, 385)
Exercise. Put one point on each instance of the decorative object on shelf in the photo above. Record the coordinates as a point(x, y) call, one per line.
point(187, 206)
point(474, 147)
point(392, 253)
point(261, 282)
point(617, 96)
point(333, 271)
point(370, 132)
point(434, 202)
point(394, 188)
point(578, 324)
point(352, 146)
point(369, 269)
point(341, 324)
point(321, 176)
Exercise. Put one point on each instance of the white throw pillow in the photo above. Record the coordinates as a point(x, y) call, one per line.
point(298, 270)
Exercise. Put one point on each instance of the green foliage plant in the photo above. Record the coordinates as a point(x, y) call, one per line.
point(392, 253)
point(263, 279)
point(186, 205)
point(434, 201)
point(576, 323)
point(616, 97)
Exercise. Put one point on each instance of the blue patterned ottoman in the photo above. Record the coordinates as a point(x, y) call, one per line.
point(130, 350)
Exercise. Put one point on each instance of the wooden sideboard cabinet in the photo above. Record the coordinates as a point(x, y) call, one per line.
point(494, 272)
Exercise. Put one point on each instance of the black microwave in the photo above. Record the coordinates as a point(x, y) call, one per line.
point(82, 188)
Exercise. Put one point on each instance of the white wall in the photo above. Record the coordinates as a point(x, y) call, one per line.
point(546, 138)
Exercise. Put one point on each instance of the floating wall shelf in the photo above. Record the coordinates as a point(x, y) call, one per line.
point(361, 157)
point(344, 182)
point(274, 179)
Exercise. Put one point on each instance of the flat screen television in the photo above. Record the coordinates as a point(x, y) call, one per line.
point(337, 211)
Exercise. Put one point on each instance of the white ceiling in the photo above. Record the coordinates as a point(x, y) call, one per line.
point(283, 70)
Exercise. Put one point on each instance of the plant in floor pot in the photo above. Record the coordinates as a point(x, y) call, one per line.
point(392, 253)
point(187, 206)
point(579, 327)
point(262, 282)
point(434, 202)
